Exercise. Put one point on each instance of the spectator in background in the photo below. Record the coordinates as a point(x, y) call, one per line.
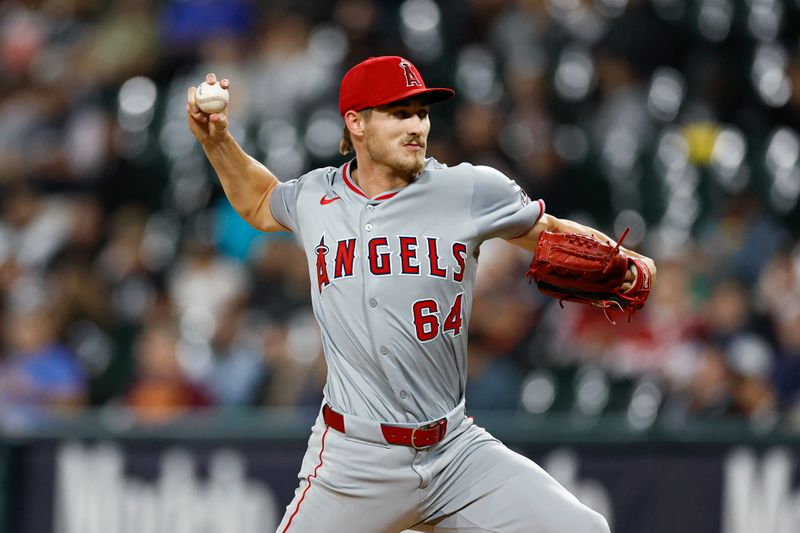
point(237, 365)
point(285, 76)
point(742, 240)
point(39, 376)
point(750, 361)
point(476, 129)
point(778, 304)
point(202, 280)
point(161, 391)
point(186, 25)
point(727, 312)
point(33, 226)
point(280, 284)
point(122, 264)
point(77, 293)
point(705, 390)
point(295, 369)
point(123, 44)
point(786, 376)
point(493, 378)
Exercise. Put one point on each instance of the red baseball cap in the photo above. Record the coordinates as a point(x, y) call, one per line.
point(381, 80)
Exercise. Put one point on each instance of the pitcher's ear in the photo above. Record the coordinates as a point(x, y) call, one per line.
point(355, 121)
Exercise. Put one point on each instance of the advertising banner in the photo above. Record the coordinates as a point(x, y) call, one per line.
point(242, 486)
point(5, 489)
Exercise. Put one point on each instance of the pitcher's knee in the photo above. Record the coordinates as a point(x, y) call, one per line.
point(579, 519)
point(595, 523)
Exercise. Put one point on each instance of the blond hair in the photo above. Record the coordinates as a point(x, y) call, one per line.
point(346, 142)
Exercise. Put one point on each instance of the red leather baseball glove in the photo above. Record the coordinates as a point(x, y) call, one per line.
point(579, 268)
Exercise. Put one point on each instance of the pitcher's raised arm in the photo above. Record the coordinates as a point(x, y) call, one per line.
point(247, 183)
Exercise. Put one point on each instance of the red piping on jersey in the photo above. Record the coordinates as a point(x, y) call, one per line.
point(308, 479)
point(386, 196)
point(541, 212)
point(345, 174)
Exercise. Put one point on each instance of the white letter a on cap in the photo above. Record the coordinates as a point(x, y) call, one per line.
point(411, 78)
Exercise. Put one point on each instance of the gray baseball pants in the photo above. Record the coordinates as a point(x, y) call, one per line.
point(469, 482)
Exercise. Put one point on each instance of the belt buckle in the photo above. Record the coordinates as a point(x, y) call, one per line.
point(414, 444)
point(442, 425)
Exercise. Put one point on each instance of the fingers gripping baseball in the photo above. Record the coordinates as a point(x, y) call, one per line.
point(206, 109)
point(630, 278)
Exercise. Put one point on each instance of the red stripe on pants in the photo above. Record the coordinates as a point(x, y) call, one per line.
point(308, 479)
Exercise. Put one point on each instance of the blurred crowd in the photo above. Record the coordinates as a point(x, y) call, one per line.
point(126, 279)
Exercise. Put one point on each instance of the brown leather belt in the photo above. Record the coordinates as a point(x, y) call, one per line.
point(416, 437)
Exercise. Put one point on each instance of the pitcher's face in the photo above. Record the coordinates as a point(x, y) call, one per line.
point(396, 136)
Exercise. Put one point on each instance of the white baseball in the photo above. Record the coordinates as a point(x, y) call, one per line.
point(211, 98)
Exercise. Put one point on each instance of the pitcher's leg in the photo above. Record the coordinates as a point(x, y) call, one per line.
point(353, 486)
point(489, 488)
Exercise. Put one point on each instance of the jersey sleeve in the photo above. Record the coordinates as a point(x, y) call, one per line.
point(283, 203)
point(500, 208)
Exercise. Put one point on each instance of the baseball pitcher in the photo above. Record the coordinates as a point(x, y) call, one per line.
point(392, 240)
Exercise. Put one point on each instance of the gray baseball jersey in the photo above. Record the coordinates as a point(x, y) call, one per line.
point(392, 285)
point(392, 279)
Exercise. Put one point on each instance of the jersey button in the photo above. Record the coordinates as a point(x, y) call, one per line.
point(373, 302)
point(403, 394)
point(385, 351)
point(368, 227)
point(370, 207)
